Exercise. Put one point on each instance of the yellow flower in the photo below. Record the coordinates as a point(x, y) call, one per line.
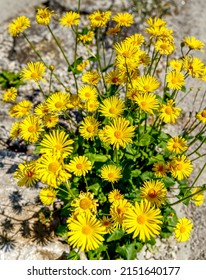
point(9, 95)
point(159, 169)
point(91, 77)
point(20, 109)
point(117, 211)
point(50, 120)
point(123, 19)
point(69, 19)
point(30, 128)
point(115, 195)
point(153, 191)
point(135, 39)
point(26, 174)
point(176, 64)
point(108, 224)
point(43, 16)
point(194, 66)
point(198, 196)
point(119, 133)
point(99, 19)
point(183, 229)
point(125, 49)
point(169, 113)
point(85, 203)
point(113, 30)
point(18, 25)
point(85, 232)
point(41, 110)
point(147, 83)
point(201, 116)
point(80, 165)
point(82, 65)
point(52, 170)
point(177, 145)
point(34, 71)
point(56, 143)
point(86, 38)
point(175, 80)
point(111, 173)
point(147, 102)
point(92, 105)
point(112, 107)
point(193, 43)
point(15, 131)
point(89, 128)
point(113, 77)
point(164, 47)
point(143, 220)
point(47, 195)
point(156, 22)
point(58, 102)
point(180, 167)
point(87, 92)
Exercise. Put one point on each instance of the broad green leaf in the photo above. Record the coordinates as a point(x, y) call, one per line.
point(116, 235)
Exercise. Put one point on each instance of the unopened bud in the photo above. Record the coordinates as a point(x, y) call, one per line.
point(51, 67)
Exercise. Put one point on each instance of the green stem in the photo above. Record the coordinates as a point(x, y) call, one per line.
point(41, 90)
point(199, 175)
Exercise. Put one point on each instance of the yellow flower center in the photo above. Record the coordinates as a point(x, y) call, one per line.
point(98, 17)
point(24, 110)
point(182, 229)
point(143, 104)
point(164, 47)
point(169, 110)
point(106, 223)
point(79, 166)
point(179, 166)
point(54, 166)
point(115, 80)
point(141, 219)
point(29, 174)
point(85, 203)
point(58, 147)
point(120, 210)
point(86, 230)
point(90, 128)
point(32, 128)
point(118, 134)
point(59, 104)
point(112, 110)
point(34, 75)
point(87, 94)
point(203, 114)
point(117, 196)
point(111, 175)
point(146, 87)
point(152, 193)
point(176, 145)
point(174, 81)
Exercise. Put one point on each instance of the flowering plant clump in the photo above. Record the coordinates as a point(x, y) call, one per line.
point(116, 172)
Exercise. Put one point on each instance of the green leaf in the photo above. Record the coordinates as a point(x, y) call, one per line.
point(147, 175)
point(96, 157)
point(94, 188)
point(73, 256)
point(62, 231)
point(145, 140)
point(127, 251)
point(116, 235)
point(107, 67)
point(73, 66)
point(183, 88)
point(157, 158)
point(135, 173)
point(168, 182)
point(94, 58)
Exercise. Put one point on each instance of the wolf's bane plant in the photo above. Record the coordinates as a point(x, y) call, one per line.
point(116, 172)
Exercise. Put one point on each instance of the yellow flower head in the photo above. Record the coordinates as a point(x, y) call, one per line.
point(47, 195)
point(87, 93)
point(58, 102)
point(50, 120)
point(159, 169)
point(153, 191)
point(15, 131)
point(41, 110)
point(198, 196)
point(176, 64)
point(85, 203)
point(123, 19)
point(166, 47)
point(126, 50)
point(119, 133)
point(135, 39)
point(108, 223)
point(180, 167)
point(147, 83)
point(113, 77)
point(20, 109)
point(86, 38)
point(169, 113)
point(31, 128)
point(83, 65)
point(92, 105)
point(201, 116)
point(175, 80)
point(143, 220)
point(26, 174)
point(18, 25)
point(91, 77)
point(57, 143)
point(69, 19)
point(85, 232)
point(43, 16)
point(115, 195)
point(147, 102)
point(89, 128)
point(117, 211)
point(80, 165)
point(111, 173)
point(194, 66)
point(99, 19)
point(183, 229)
point(193, 43)
point(52, 170)
point(9, 95)
point(34, 72)
point(112, 107)
point(177, 145)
